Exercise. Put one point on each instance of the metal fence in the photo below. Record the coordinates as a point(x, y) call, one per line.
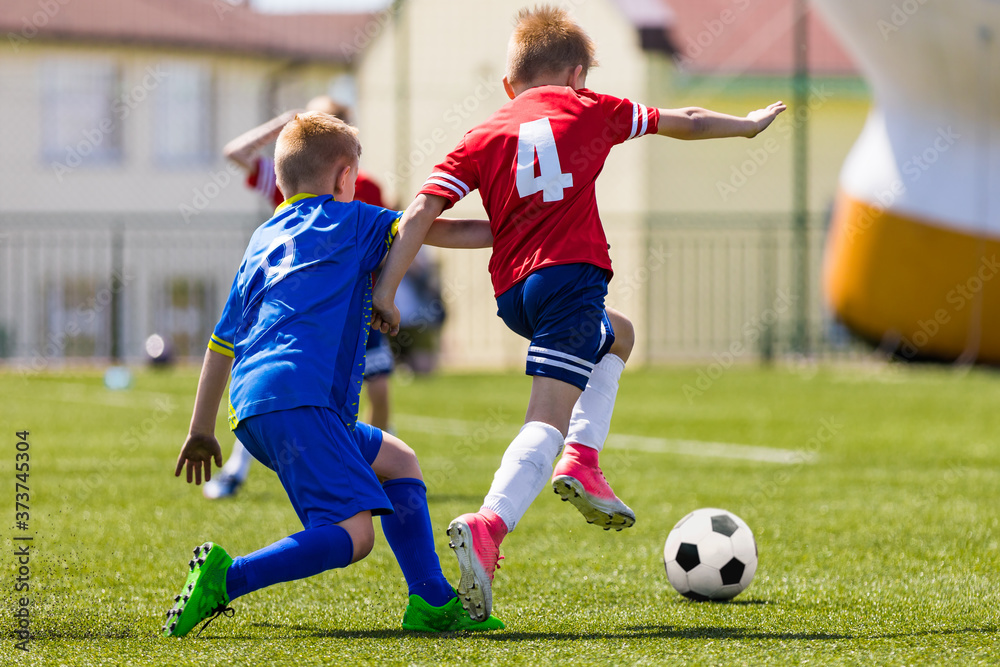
point(95, 286)
point(747, 286)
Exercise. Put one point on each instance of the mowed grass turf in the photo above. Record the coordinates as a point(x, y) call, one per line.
point(883, 550)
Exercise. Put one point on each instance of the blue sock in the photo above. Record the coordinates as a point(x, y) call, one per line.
point(408, 532)
point(298, 556)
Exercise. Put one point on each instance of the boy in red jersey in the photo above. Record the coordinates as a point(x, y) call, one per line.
point(535, 162)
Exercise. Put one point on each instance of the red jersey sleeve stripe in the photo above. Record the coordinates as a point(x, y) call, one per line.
point(641, 116)
point(449, 177)
point(444, 184)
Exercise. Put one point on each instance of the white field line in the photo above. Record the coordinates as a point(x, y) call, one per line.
point(723, 450)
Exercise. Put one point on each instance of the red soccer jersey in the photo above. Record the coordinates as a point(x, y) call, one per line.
point(535, 162)
point(262, 179)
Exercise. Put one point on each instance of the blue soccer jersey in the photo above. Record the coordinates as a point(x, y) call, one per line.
point(298, 314)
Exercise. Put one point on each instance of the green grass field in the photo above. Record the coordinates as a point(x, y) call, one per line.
point(883, 550)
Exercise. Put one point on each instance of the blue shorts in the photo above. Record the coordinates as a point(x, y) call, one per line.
point(378, 355)
point(324, 466)
point(560, 309)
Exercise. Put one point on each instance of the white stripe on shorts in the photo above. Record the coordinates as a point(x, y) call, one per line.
point(559, 364)
point(563, 355)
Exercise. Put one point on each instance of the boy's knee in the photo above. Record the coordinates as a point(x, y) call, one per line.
point(624, 337)
point(363, 538)
point(400, 460)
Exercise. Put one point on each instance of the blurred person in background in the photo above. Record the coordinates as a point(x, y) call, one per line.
point(422, 313)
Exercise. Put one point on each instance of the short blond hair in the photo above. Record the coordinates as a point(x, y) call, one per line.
point(546, 41)
point(310, 144)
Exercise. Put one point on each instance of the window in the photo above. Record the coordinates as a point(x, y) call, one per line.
point(79, 126)
point(182, 118)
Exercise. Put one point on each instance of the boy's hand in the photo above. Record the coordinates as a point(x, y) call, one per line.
point(198, 452)
point(763, 117)
point(385, 315)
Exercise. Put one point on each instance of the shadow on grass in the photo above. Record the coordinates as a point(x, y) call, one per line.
point(633, 632)
point(668, 632)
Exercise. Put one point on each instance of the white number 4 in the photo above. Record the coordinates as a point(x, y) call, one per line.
point(533, 137)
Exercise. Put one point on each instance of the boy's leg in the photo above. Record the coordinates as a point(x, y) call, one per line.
point(433, 606)
point(333, 490)
point(560, 309)
point(524, 471)
point(232, 475)
point(304, 554)
point(578, 477)
point(216, 579)
point(379, 365)
point(378, 397)
point(408, 528)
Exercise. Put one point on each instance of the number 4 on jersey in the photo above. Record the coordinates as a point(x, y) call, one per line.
point(536, 137)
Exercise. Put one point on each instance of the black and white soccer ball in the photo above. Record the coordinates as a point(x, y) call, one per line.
point(710, 555)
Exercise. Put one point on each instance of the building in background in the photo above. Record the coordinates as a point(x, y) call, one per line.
point(117, 210)
point(118, 214)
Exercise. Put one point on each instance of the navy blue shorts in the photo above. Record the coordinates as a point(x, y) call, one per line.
point(324, 466)
point(560, 309)
point(378, 355)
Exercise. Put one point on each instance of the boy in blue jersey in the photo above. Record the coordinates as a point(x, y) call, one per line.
point(292, 335)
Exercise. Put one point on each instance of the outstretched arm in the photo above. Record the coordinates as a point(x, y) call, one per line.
point(410, 235)
point(459, 233)
point(243, 149)
point(697, 123)
point(201, 448)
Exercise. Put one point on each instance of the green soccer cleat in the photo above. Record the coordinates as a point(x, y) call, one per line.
point(204, 594)
point(420, 616)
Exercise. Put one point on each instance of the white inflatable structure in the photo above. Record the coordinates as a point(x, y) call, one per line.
point(913, 257)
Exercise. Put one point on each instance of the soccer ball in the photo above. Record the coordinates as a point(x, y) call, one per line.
point(710, 555)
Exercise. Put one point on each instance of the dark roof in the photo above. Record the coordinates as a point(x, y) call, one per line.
point(653, 20)
point(214, 25)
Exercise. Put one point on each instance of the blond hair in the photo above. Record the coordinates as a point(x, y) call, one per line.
point(310, 144)
point(546, 41)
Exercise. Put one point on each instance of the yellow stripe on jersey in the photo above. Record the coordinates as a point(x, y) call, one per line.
point(234, 421)
point(216, 344)
point(393, 231)
point(292, 200)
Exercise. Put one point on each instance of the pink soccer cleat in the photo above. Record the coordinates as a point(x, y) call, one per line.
point(578, 479)
point(478, 557)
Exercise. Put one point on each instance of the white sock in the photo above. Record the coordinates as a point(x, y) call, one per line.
point(239, 462)
point(524, 471)
point(591, 420)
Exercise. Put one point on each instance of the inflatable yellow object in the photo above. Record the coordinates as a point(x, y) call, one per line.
point(913, 256)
